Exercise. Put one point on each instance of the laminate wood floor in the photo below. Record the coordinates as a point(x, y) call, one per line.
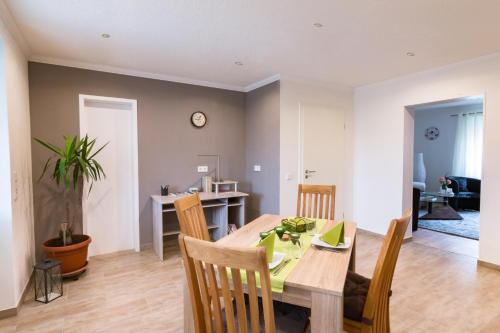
point(433, 291)
point(450, 243)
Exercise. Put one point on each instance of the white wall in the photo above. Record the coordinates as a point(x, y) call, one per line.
point(292, 94)
point(17, 250)
point(438, 154)
point(379, 142)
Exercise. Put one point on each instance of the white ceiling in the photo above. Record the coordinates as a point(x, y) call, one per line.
point(361, 41)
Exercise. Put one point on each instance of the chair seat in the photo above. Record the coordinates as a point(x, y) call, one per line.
point(355, 292)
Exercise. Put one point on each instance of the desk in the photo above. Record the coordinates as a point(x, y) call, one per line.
point(220, 210)
point(317, 282)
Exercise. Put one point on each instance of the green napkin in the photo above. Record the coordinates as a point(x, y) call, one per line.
point(268, 243)
point(335, 235)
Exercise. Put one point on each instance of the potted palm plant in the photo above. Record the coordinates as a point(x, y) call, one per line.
point(73, 164)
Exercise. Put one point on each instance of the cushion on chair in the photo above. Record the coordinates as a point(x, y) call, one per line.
point(289, 318)
point(355, 293)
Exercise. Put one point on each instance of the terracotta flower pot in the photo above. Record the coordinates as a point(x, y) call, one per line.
point(73, 257)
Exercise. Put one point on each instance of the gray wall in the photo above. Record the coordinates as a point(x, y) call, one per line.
point(168, 144)
point(262, 123)
point(438, 154)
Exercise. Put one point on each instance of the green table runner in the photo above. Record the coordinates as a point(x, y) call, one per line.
point(278, 281)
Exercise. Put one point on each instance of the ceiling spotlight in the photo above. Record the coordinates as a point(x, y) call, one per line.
point(318, 25)
point(238, 63)
point(105, 35)
point(410, 54)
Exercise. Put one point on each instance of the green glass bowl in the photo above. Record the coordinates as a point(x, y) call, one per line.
point(294, 237)
point(280, 231)
point(264, 234)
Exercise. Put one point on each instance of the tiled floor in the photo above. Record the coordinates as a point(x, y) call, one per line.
point(433, 291)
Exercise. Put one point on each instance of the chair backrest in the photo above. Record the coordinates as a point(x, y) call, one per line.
point(191, 217)
point(203, 261)
point(316, 201)
point(375, 312)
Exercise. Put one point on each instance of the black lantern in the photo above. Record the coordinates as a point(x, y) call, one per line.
point(48, 281)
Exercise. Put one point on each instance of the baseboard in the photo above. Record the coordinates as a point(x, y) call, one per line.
point(14, 311)
point(146, 246)
point(488, 265)
point(371, 233)
point(8, 313)
point(380, 236)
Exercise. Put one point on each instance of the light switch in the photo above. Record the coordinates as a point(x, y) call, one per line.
point(202, 168)
point(257, 168)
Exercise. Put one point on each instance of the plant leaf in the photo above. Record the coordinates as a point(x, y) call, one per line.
point(45, 167)
point(98, 151)
point(50, 146)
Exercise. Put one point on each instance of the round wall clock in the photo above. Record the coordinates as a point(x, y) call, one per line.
point(198, 119)
point(432, 133)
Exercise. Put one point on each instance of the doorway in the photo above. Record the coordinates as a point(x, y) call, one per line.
point(448, 139)
point(111, 211)
point(322, 149)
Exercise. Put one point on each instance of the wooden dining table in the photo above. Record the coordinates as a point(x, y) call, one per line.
point(316, 282)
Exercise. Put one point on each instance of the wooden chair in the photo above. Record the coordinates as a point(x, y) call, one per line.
point(316, 201)
point(191, 217)
point(375, 312)
point(202, 260)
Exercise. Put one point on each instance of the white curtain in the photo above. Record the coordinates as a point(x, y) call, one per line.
point(468, 153)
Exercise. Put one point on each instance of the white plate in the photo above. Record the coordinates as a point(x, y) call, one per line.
point(277, 258)
point(318, 242)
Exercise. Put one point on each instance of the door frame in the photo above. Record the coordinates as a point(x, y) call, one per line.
point(132, 103)
point(409, 152)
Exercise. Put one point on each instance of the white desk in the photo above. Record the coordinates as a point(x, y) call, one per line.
point(220, 210)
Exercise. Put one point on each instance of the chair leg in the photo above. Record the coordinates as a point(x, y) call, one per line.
point(388, 321)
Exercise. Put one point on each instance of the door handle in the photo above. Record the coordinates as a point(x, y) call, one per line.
point(309, 171)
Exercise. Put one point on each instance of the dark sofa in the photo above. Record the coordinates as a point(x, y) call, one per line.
point(467, 193)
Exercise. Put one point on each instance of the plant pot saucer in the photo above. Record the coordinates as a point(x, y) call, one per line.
point(77, 272)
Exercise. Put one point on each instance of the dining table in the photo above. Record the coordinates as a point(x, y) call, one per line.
point(316, 282)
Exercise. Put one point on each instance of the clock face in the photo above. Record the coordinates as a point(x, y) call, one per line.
point(432, 133)
point(198, 119)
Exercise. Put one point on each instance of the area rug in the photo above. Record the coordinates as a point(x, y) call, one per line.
point(468, 227)
point(442, 213)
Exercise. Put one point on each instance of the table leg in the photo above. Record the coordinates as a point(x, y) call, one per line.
point(188, 311)
point(352, 260)
point(327, 314)
point(429, 207)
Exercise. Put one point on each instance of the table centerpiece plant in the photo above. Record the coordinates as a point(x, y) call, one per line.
point(72, 165)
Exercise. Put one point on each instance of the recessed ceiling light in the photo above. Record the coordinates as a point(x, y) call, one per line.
point(410, 54)
point(318, 25)
point(238, 63)
point(105, 35)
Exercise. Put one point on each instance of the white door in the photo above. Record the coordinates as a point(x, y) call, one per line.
point(110, 215)
point(322, 156)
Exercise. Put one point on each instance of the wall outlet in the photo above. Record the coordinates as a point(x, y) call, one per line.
point(257, 168)
point(288, 176)
point(202, 168)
